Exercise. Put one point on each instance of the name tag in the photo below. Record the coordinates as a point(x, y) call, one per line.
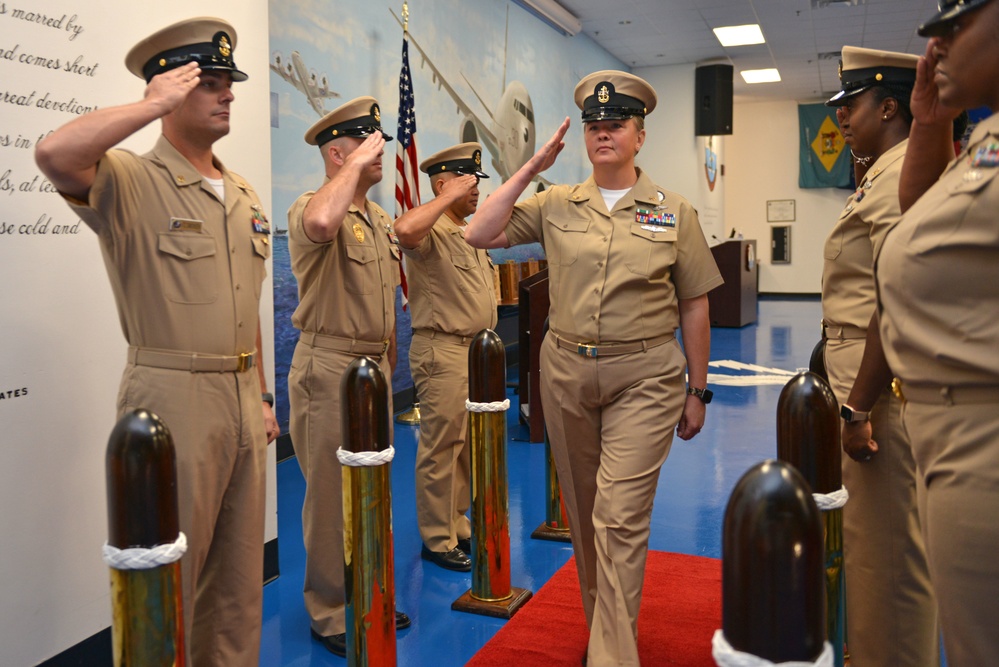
point(185, 225)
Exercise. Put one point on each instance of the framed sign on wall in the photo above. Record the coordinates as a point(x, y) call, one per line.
point(780, 210)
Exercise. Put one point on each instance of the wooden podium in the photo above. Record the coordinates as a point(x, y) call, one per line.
point(533, 302)
point(734, 303)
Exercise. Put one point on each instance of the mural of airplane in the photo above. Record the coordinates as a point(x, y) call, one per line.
point(315, 87)
point(509, 133)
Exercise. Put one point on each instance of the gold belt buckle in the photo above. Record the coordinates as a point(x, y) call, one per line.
point(896, 388)
point(586, 350)
point(245, 362)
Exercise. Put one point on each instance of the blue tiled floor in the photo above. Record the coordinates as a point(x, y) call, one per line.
point(693, 491)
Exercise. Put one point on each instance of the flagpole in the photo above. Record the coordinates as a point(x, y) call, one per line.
point(406, 159)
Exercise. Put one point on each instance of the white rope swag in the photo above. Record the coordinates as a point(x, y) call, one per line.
point(365, 459)
point(726, 656)
point(138, 558)
point(495, 406)
point(831, 501)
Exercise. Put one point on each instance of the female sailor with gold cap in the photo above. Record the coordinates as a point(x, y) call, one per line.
point(628, 265)
point(890, 608)
point(936, 279)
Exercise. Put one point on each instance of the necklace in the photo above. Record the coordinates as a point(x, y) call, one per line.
point(858, 159)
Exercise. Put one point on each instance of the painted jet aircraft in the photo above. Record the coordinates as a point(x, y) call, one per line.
point(315, 87)
point(508, 134)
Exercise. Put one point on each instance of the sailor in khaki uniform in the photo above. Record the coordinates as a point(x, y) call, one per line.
point(184, 242)
point(891, 611)
point(938, 289)
point(628, 265)
point(452, 299)
point(345, 257)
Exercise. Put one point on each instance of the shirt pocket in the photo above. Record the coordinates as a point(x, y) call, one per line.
point(188, 267)
point(565, 234)
point(358, 269)
point(468, 273)
point(650, 253)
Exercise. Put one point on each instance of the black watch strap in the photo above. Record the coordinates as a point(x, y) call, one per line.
point(704, 394)
point(267, 398)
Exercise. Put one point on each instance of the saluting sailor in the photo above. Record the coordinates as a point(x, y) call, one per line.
point(345, 257)
point(184, 242)
point(452, 299)
point(628, 265)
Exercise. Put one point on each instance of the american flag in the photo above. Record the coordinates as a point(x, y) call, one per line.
point(407, 175)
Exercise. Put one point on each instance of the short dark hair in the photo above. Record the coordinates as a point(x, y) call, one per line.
point(899, 92)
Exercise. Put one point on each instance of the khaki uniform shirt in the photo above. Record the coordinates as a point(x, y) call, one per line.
point(938, 274)
point(848, 275)
point(346, 287)
point(185, 269)
point(450, 282)
point(616, 276)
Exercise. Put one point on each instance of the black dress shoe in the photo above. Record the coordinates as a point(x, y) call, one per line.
point(449, 560)
point(465, 544)
point(335, 644)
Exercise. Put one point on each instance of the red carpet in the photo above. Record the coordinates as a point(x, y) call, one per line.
point(681, 609)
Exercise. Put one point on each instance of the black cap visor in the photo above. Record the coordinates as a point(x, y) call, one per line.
point(940, 23)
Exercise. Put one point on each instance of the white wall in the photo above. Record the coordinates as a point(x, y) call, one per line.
point(61, 338)
point(762, 164)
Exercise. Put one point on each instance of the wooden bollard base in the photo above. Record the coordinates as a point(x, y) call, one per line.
point(498, 609)
point(546, 532)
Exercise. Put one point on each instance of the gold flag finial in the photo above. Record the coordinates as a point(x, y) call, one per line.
point(405, 17)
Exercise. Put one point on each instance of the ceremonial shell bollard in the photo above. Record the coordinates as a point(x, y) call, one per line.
point(367, 516)
point(556, 523)
point(491, 593)
point(808, 437)
point(144, 544)
point(772, 606)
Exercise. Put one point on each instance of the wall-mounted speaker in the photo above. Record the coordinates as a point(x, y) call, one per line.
point(713, 100)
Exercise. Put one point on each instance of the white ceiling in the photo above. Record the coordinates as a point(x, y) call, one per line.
point(672, 32)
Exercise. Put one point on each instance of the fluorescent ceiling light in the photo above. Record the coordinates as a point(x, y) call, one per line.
point(554, 15)
point(739, 35)
point(760, 75)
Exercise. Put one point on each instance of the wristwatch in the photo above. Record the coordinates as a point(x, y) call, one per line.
point(851, 416)
point(267, 398)
point(704, 394)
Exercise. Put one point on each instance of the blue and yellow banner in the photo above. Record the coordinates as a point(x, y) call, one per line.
point(824, 156)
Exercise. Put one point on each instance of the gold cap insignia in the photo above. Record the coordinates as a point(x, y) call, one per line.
point(477, 156)
point(225, 47)
point(878, 76)
point(358, 232)
point(376, 113)
point(603, 95)
point(162, 62)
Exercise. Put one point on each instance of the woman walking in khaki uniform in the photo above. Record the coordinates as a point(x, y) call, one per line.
point(891, 610)
point(628, 265)
point(938, 294)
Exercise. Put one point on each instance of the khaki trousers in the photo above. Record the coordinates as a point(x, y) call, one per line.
point(314, 395)
point(217, 424)
point(443, 463)
point(611, 421)
point(957, 452)
point(891, 611)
